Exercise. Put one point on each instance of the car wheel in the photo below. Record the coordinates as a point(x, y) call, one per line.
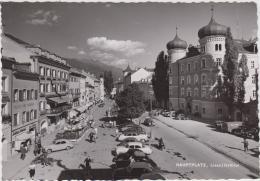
point(68, 147)
point(49, 151)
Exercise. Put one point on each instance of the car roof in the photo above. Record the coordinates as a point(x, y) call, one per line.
point(134, 143)
point(140, 165)
point(61, 140)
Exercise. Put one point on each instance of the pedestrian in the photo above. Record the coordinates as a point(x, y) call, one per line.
point(96, 132)
point(23, 151)
point(44, 157)
point(35, 151)
point(32, 170)
point(116, 132)
point(245, 145)
point(87, 165)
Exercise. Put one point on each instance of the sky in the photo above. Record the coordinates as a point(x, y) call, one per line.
point(119, 34)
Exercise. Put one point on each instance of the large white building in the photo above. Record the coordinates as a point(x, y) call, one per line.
point(192, 78)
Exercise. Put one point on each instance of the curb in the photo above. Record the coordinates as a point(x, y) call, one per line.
point(249, 167)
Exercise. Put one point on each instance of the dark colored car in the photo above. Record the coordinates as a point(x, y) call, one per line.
point(133, 171)
point(219, 124)
point(148, 122)
point(181, 116)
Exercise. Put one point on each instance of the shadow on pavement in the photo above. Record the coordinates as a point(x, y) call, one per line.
point(234, 148)
point(81, 174)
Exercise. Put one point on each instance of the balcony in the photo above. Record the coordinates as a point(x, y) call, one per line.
point(6, 118)
point(5, 97)
point(43, 112)
point(76, 95)
point(58, 110)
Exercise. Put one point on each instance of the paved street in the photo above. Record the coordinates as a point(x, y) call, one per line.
point(183, 149)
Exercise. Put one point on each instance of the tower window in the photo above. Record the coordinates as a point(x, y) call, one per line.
point(216, 47)
point(254, 94)
point(219, 47)
point(218, 61)
point(252, 64)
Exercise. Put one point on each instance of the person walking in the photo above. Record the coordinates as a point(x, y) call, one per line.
point(32, 170)
point(44, 157)
point(23, 152)
point(87, 165)
point(35, 151)
point(96, 132)
point(245, 145)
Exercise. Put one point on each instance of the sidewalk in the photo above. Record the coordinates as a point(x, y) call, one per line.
point(15, 166)
point(224, 143)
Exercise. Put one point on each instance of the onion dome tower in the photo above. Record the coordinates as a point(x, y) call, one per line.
point(212, 39)
point(127, 70)
point(176, 48)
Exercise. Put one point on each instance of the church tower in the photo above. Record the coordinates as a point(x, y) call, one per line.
point(212, 39)
point(176, 48)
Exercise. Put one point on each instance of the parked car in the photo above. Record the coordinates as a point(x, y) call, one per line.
point(148, 121)
point(219, 125)
point(139, 137)
point(173, 114)
point(181, 116)
point(229, 126)
point(60, 144)
point(127, 140)
point(134, 145)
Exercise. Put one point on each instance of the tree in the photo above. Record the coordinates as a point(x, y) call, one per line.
point(240, 77)
point(160, 79)
point(108, 81)
point(130, 102)
point(229, 70)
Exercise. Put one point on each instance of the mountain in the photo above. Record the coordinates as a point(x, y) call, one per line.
point(95, 67)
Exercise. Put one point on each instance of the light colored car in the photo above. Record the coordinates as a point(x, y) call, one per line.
point(134, 145)
point(139, 137)
point(60, 144)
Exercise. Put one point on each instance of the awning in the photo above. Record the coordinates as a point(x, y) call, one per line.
point(59, 100)
point(80, 109)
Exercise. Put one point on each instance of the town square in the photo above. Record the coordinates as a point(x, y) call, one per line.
point(114, 91)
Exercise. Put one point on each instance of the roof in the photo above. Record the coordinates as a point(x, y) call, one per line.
point(135, 143)
point(128, 69)
point(59, 100)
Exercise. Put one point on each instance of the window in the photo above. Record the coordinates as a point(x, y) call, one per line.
point(41, 71)
point(24, 117)
point(31, 115)
point(170, 70)
point(220, 111)
point(196, 108)
point(32, 94)
point(24, 94)
point(4, 109)
point(41, 105)
point(189, 92)
point(195, 65)
point(28, 116)
point(35, 114)
point(252, 64)
point(182, 92)
point(196, 92)
point(28, 95)
point(61, 74)
point(218, 61)
point(203, 79)
point(253, 79)
point(216, 47)
point(58, 74)
point(182, 80)
point(188, 67)
point(203, 63)
point(36, 94)
point(219, 47)
point(21, 95)
point(254, 93)
point(16, 119)
point(196, 79)
point(182, 67)
point(48, 72)
point(204, 110)
point(4, 84)
point(188, 79)
point(170, 80)
point(16, 97)
point(203, 92)
point(41, 88)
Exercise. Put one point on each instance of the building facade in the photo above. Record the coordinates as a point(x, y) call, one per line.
point(192, 78)
point(20, 104)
